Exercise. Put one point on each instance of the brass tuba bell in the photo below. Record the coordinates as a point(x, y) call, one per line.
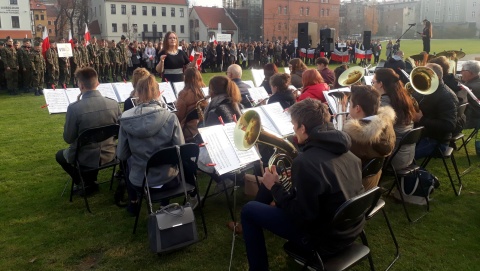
point(424, 80)
point(248, 131)
point(351, 76)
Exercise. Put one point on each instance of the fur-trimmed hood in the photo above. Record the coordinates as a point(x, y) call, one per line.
point(370, 131)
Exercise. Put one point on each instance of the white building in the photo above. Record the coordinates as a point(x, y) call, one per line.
point(204, 22)
point(15, 19)
point(139, 19)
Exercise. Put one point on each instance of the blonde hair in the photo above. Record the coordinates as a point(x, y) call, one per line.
point(138, 73)
point(147, 89)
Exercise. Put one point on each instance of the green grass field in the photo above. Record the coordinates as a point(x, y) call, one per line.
point(40, 230)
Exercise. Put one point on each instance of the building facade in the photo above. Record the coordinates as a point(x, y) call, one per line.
point(281, 17)
point(140, 19)
point(15, 19)
point(204, 23)
point(40, 18)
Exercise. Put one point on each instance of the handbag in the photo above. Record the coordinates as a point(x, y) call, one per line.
point(417, 187)
point(173, 226)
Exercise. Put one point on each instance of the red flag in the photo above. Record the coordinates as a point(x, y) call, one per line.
point(70, 39)
point(46, 42)
point(87, 35)
point(214, 40)
point(199, 59)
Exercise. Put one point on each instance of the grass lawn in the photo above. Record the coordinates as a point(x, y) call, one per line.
point(40, 230)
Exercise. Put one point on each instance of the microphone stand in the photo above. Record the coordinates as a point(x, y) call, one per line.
point(395, 49)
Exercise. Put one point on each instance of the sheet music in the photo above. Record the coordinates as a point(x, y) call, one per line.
point(220, 149)
point(178, 86)
point(56, 100)
point(123, 90)
point(205, 91)
point(258, 76)
point(107, 91)
point(286, 70)
point(281, 119)
point(332, 101)
point(470, 93)
point(72, 94)
point(266, 122)
point(250, 83)
point(167, 92)
point(244, 157)
point(258, 94)
point(368, 80)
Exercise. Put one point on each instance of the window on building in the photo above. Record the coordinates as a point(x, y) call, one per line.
point(474, 4)
point(15, 22)
point(154, 11)
point(49, 31)
point(114, 28)
point(285, 26)
point(145, 27)
point(197, 35)
point(144, 10)
point(174, 28)
point(172, 12)
point(279, 26)
point(124, 9)
point(301, 11)
point(164, 11)
point(191, 23)
point(13, 2)
point(154, 28)
point(124, 28)
point(95, 12)
point(328, 12)
point(322, 12)
point(49, 23)
point(279, 9)
point(36, 17)
point(197, 23)
point(182, 13)
point(182, 29)
point(285, 10)
point(134, 10)
point(134, 28)
point(113, 8)
point(473, 14)
point(42, 17)
point(307, 11)
point(164, 28)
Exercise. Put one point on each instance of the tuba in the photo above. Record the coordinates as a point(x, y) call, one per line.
point(248, 131)
point(422, 80)
point(351, 76)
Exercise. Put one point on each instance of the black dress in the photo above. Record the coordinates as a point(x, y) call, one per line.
point(174, 62)
point(426, 40)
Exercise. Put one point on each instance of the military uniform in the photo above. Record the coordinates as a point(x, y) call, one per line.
point(38, 68)
point(104, 61)
point(85, 59)
point(93, 57)
point(123, 60)
point(26, 71)
point(76, 62)
point(10, 61)
point(3, 82)
point(64, 70)
point(52, 67)
point(115, 63)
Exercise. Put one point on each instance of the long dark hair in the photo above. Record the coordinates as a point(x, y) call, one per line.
point(400, 101)
point(194, 82)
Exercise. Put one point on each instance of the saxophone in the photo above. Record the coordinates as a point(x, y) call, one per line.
point(200, 106)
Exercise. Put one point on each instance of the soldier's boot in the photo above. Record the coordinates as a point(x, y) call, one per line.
point(40, 91)
point(37, 92)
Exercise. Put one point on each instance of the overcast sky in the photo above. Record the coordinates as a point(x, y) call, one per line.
point(207, 3)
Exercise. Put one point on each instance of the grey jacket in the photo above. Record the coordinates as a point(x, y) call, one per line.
point(93, 110)
point(144, 130)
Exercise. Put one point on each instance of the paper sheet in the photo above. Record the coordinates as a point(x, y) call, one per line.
point(167, 92)
point(258, 94)
point(221, 152)
point(56, 100)
point(72, 94)
point(266, 122)
point(368, 80)
point(250, 83)
point(107, 91)
point(178, 86)
point(258, 76)
point(205, 91)
point(280, 118)
point(123, 90)
point(244, 157)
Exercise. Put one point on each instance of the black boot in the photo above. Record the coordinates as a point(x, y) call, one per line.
point(40, 91)
point(37, 93)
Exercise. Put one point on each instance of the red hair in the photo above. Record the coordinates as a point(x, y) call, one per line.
point(311, 77)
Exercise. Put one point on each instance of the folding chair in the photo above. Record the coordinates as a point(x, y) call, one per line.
point(457, 137)
point(166, 156)
point(411, 137)
point(94, 136)
point(371, 169)
point(350, 213)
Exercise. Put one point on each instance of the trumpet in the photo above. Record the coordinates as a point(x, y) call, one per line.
point(248, 131)
point(422, 80)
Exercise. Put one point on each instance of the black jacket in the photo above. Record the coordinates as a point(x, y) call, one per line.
point(324, 176)
point(224, 109)
point(246, 99)
point(285, 98)
point(439, 113)
point(452, 83)
point(396, 65)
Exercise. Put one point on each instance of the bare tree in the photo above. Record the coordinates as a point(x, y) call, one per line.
point(60, 21)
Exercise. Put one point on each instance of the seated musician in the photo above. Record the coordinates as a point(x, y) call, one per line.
point(279, 84)
point(338, 71)
point(370, 127)
point(234, 72)
point(187, 103)
point(225, 101)
point(93, 110)
point(268, 71)
point(396, 63)
point(326, 73)
point(144, 130)
point(470, 77)
point(324, 176)
point(138, 74)
point(438, 114)
point(313, 86)
point(297, 67)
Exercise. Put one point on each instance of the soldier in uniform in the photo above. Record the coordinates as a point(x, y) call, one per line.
point(10, 61)
point(85, 60)
point(104, 61)
point(123, 57)
point(76, 61)
point(115, 63)
point(51, 57)
point(3, 82)
point(38, 68)
point(25, 80)
point(93, 54)
point(64, 69)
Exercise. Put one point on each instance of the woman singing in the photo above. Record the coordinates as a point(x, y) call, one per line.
point(426, 35)
point(172, 60)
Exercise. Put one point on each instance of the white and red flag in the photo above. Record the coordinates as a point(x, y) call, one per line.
point(87, 35)
point(46, 41)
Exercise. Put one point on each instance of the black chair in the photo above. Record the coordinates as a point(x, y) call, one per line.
point(461, 136)
point(349, 214)
point(371, 169)
point(94, 136)
point(411, 137)
point(168, 156)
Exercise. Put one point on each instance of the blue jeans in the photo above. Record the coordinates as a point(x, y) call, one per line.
point(426, 146)
point(257, 216)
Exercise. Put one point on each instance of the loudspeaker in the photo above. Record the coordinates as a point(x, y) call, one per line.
point(367, 39)
point(327, 37)
point(307, 35)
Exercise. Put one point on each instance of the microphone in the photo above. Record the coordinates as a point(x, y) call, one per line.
point(414, 24)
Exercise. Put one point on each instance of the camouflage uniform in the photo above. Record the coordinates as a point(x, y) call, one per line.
point(93, 56)
point(76, 62)
point(26, 71)
point(10, 61)
point(64, 71)
point(52, 67)
point(85, 59)
point(104, 64)
point(38, 67)
point(3, 82)
point(123, 59)
point(115, 63)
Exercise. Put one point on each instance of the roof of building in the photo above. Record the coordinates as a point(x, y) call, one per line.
point(16, 34)
point(168, 2)
point(212, 16)
point(34, 5)
point(52, 11)
point(94, 28)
